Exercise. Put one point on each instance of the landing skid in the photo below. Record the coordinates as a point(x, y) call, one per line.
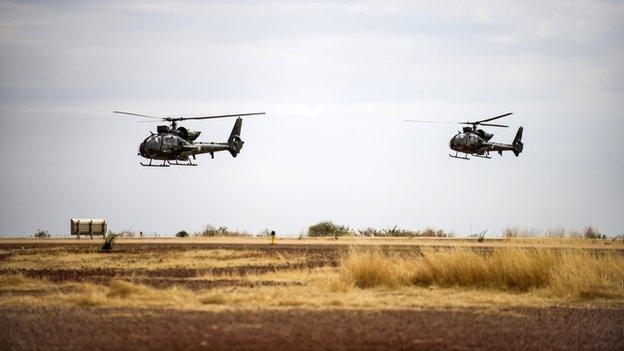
point(168, 163)
point(487, 155)
point(482, 156)
point(164, 164)
point(459, 157)
point(190, 163)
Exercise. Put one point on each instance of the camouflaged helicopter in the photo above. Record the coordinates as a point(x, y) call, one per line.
point(476, 142)
point(175, 144)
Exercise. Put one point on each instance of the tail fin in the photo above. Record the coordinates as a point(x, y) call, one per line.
point(517, 142)
point(234, 141)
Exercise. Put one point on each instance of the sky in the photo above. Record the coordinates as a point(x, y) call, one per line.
point(337, 79)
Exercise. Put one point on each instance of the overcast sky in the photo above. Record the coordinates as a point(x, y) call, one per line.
point(336, 79)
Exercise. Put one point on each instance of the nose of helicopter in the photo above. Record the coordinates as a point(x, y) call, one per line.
point(452, 142)
point(147, 147)
point(142, 149)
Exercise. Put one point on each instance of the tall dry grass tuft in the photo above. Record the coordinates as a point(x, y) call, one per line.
point(368, 268)
point(571, 273)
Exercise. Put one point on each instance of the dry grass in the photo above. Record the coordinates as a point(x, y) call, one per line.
point(19, 281)
point(117, 294)
point(316, 295)
point(194, 259)
point(367, 278)
point(569, 273)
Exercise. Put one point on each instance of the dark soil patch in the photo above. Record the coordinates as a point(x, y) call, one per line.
point(91, 274)
point(193, 284)
point(24, 328)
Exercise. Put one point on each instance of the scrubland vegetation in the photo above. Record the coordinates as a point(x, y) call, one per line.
point(328, 229)
point(211, 231)
point(41, 233)
point(560, 273)
point(589, 232)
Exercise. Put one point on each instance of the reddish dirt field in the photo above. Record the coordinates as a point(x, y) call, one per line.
point(24, 328)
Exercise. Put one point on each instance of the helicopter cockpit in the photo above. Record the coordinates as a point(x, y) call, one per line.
point(158, 143)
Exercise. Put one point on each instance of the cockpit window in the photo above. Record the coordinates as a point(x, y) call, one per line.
point(154, 142)
point(170, 140)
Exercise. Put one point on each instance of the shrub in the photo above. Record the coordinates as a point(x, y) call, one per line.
point(328, 228)
point(558, 232)
point(126, 233)
point(369, 232)
point(211, 231)
point(389, 232)
point(208, 231)
point(42, 233)
point(182, 234)
point(108, 243)
point(515, 232)
point(399, 232)
point(435, 233)
point(481, 236)
point(510, 232)
point(590, 232)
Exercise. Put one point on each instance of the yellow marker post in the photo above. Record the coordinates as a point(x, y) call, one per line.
point(273, 242)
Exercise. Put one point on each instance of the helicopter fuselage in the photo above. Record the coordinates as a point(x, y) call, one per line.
point(169, 147)
point(477, 143)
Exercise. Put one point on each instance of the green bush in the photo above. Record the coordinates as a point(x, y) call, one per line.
point(42, 233)
point(404, 233)
point(327, 228)
point(208, 231)
point(389, 232)
point(182, 234)
point(108, 243)
point(211, 231)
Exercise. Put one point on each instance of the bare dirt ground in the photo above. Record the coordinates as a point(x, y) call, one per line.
point(24, 328)
point(243, 294)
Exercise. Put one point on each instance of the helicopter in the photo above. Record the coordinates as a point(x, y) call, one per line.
point(476, 142)
point(175, 145)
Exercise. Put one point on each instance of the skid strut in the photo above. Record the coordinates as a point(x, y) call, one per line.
point(459, 157)
point(486, 155)
point(164, 164)
point(190, 163)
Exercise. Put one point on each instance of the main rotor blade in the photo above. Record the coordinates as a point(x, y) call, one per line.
point(419, 121)
point(136, 114)
point(497, 117)
point(493, 125)
point(217, 116)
